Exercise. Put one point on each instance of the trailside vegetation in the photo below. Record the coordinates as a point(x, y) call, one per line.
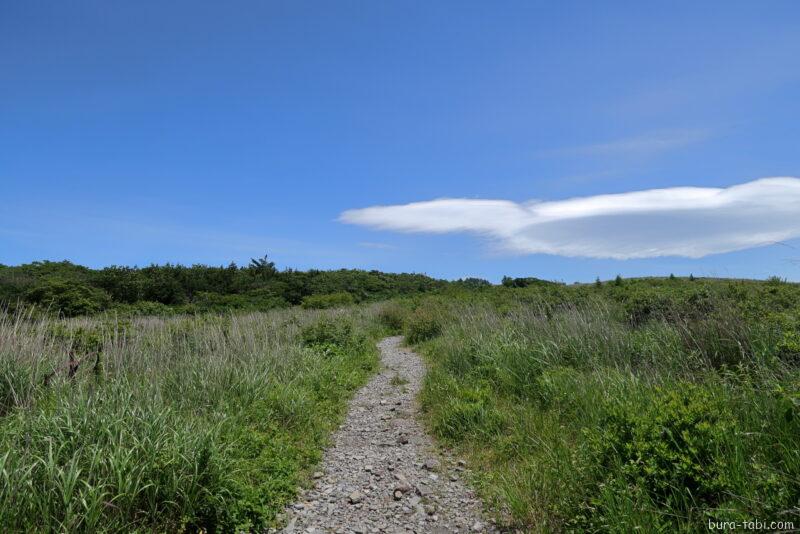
point(649, 405)
point(635, 404)
point(179, 424)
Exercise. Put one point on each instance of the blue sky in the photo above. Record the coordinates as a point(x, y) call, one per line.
point(189, 132)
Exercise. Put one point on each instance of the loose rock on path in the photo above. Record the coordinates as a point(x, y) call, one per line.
point(382, 472)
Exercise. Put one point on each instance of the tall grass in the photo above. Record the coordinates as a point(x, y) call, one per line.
point(582, 420)
point(188, 423)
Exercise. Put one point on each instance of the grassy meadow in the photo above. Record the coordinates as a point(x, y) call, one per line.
point(190, 423)
point(653, 405)
point(646, 405)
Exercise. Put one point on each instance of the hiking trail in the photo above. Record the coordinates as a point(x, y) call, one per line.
point(382, 471)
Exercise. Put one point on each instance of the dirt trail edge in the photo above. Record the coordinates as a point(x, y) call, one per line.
point(383, 473)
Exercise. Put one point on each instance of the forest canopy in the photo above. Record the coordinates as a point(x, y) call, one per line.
point(74, 290)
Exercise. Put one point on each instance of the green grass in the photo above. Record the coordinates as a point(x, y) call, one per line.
point(398, 380)
point(190, 423)
point(654, 406)
point(651, 405)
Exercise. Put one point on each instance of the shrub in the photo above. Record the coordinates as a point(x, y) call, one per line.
point(69, 298)
point(330, 300)
point(525, 282)
point(146, 307)
point(393, 316)
point(338, 333)
point(672, 448)
point(788, 345)
point(259, 299)
point(643, 306)
point(423, 324)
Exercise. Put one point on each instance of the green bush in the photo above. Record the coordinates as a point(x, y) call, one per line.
point(255, 300)
point(330, 300)
point(328, 331)
point(643, 306)
point(393, 317)
point(673, 448)
point(423, 324)
point(69, 298)
point(788, 346)
point(146, 307)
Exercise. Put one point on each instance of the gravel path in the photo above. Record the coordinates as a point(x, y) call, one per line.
point(383, 473)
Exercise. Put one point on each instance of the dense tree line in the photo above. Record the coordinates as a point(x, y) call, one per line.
point(76, 290)
point(526, 282)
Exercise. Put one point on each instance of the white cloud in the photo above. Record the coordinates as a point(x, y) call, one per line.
point(680, 221)
point(648, 144)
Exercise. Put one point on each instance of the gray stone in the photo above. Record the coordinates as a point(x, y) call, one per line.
point(403, 487)
point(402, 493)
point(431, 464)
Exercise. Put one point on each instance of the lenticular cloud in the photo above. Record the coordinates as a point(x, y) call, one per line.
point(680, 221)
